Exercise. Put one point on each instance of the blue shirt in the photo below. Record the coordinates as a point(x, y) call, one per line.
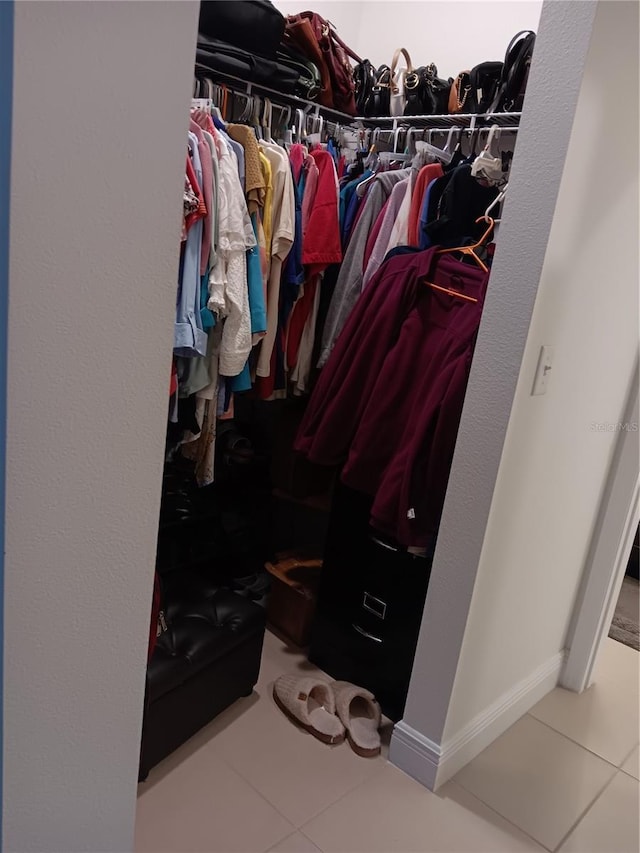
point(190, 339)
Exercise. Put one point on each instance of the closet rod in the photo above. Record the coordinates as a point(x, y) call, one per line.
point(467, 121)
point(278, 98)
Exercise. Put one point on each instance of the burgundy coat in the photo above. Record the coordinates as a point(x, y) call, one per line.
point(388, 402)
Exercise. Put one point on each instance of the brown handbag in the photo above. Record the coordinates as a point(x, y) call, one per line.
point(459, 94)
point(299, 34)
point(335, 58)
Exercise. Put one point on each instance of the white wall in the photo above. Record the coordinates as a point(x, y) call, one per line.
point(455, 34)
point(345, 15)
point(98, 162)
point(419, 745)
point(555, 463)
point(520, 508)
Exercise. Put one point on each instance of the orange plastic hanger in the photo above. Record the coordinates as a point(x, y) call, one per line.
point(466, 250)
point(470, 250)
point(451, 292)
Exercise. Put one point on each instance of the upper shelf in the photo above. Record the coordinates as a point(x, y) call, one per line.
point(314, 108)
point(280, 98)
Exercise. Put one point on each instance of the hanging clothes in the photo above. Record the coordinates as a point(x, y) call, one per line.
point(283, 224)
point(383, 230)
point(426, 175)
point(286, 270)
point(388, 402)
point(190, 338)
point(349, 283)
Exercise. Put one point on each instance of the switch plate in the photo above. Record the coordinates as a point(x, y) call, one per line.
point(543, 371)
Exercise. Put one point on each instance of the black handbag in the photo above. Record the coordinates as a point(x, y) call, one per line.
point(364, 76)
point(380, 101)
point(252, 25)
point(515, 73)
point(426, 93)
point(485, 82)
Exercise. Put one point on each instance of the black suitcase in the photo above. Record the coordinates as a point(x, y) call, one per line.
point(252, 25)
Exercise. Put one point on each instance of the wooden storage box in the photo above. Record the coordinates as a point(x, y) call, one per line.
point(292, 600)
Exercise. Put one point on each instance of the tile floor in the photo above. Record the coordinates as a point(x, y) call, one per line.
point(564, 777)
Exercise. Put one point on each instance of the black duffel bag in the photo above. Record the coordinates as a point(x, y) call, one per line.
point(213, 55)
point(309, 82)
point(252, 25)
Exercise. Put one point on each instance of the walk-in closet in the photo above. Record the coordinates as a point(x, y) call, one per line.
point(339, 222)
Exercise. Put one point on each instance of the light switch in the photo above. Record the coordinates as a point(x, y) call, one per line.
point(543, 371)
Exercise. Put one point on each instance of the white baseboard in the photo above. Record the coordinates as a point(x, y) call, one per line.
point(433, 764)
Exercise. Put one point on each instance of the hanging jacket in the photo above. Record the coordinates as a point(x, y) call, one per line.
point(388, 402)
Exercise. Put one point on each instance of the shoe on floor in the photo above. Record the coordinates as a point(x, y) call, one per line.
point(360, 715)
point(310, 703)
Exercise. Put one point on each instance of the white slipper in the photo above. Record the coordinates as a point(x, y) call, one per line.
point(310, 703)
point(360, 714)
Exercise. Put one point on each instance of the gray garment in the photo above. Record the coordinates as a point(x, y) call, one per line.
point(215, 229)
point(349, 283)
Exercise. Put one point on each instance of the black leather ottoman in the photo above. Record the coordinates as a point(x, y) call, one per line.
point(208, 658)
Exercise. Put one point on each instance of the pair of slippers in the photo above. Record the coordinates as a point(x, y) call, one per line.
point(331, 712)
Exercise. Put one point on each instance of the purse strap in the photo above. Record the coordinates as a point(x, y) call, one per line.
point(344, 46)
point(328, 30)
point(396, 57)
point(394, 62)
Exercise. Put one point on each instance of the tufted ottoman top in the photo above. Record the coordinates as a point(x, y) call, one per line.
point(205, 621)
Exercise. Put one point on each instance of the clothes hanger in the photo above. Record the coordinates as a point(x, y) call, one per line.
point(281, 126)
point(267, 119)
point(451, 292)
point(437, 153)
point(219, 97)
point(255, 119)
point(447, 148)
point(396, 136)
point(409, 141)
point(247, 111)
point(470, 250)
point(372, 162)
point(299, 125)
point(496, 203)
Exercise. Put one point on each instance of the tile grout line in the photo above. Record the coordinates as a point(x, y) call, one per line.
point(585, 812)
point(633, 749)
point(341, 797)
point(577, 743)
point(295, 826)
point(498, 814)
point(261, 795)
point(310, 840)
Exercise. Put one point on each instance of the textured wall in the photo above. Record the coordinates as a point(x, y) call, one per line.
point(455, 34)
point(537, 170)
point(98, 145)
point(555, 463)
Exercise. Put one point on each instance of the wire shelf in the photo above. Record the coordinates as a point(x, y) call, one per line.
point(279, 98)
point(463, 120)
